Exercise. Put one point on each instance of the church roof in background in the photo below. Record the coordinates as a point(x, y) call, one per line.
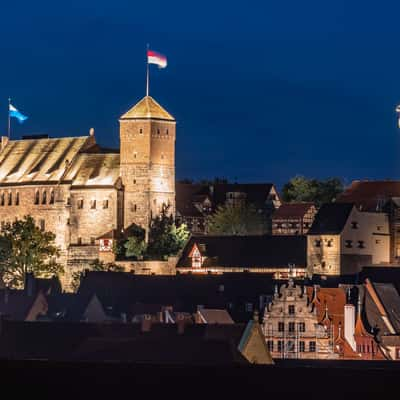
point(148, 108)
point(370, 195)
point(38, 160)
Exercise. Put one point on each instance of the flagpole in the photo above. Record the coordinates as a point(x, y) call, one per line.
point(147, 71)
point(9, 120)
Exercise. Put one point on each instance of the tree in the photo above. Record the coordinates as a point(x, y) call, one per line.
point(300, 188)
point(237, 220)
point(95, 265)
point(24, 248)
point(165, 238)
point(134, 247)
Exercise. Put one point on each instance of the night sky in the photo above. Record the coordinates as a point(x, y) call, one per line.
point(261, 91)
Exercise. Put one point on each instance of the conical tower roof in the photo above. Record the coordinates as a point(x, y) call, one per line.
point(148, 108)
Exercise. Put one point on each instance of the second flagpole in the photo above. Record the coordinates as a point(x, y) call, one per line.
point(9, 120)
point(147, 70)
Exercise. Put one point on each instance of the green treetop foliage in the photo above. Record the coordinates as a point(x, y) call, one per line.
point(134, 247)
point(300, 188)
point(95, 265)
point(24, 248)
point(237, 220)
point(165, 238)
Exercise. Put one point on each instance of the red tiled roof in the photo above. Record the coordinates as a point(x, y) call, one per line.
point(369, 194)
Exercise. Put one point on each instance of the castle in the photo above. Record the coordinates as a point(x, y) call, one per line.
point(85, 193)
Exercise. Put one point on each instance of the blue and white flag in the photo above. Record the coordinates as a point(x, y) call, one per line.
point(16, 114)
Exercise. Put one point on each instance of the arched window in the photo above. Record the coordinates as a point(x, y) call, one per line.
point(17, 199)
point(37, 197)
point(9, 198)
point(44, 197)
point(51, 197)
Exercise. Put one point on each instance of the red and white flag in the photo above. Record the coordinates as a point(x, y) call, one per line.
point(156, 58)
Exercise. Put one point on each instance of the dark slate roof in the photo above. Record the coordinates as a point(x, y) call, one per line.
point(121, 291)
point(382, 275)
point(370, 195)
point(292, 210)
point(248, 251)
point(163, 344)
point(331, 218)
point(15, 304)
point(185, 196)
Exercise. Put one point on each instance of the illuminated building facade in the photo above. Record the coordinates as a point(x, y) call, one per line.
point(80, 191)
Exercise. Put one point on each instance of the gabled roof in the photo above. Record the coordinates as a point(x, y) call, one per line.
point(16, 304)
point(292, 210)
point(370, 195)
point(148, 108)
point(210, 316)
point(331, 218)
point(44, 160)
point(94, 170)
point(248, 251)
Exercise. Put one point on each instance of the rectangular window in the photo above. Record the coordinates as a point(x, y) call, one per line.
point(349, 244)
point(291, 309)
point(354, 225)
point(280, 345)
point(270, 345)
point(302, 347)
point(80, 204)
point(317, 243)
point(42, 224)
point(291, 326)
point(281, 327)
point(312, 347)
point(92, 204)
point(361, 244)
point(302, 327)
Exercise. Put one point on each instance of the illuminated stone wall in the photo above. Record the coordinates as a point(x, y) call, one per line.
point(147, 168)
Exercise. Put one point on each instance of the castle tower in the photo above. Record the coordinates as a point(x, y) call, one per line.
point(147, 161)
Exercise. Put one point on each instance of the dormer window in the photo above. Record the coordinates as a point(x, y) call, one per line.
point(197, 259)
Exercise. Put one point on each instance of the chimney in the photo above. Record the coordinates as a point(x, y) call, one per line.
point(349, 324)
point(29, 284)
point(91, 132)
point(180, 323)
point(4, 141)
point(146, 323)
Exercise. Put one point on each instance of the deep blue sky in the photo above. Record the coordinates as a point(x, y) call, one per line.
point(261, 90)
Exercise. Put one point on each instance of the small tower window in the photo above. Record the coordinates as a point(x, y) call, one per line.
point(92, 240)
point(44, 197)
point(141, 130)
point(80, 204)
point(79, 240)
point(17, 199)
point(2, 199)
point(93, 204)
point(37, 197)
point(134, 181)
point(9, 198)
point(158, 131)
point(51, 197)
point(134, 154)
point(42, 224)
point(105, 203)
point(166, 131)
